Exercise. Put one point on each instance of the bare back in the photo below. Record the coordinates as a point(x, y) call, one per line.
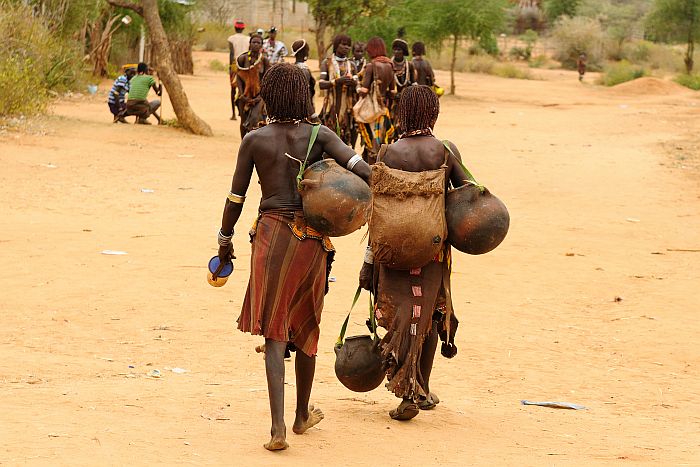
point(384, 73)
point(276, 151)
point(420, 153)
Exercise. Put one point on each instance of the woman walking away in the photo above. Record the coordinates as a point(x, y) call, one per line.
point(413, 305)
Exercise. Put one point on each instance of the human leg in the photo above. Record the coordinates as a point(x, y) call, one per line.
point(274, 369)
point(306, 416)
point(152, 107)
point(233, 103)
point(426, 367)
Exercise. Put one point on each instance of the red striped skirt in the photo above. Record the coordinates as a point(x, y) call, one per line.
point(288, 273)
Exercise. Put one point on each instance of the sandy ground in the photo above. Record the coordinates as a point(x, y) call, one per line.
point(592, 299)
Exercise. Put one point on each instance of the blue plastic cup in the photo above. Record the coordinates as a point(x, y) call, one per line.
point(221, 279)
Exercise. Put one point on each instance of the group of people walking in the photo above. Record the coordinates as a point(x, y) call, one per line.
point(351, 72)
point(290, 260)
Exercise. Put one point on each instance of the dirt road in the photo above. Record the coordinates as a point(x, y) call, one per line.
point(592, 299)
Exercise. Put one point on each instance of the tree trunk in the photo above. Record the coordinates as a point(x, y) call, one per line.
point(690, 51)
point(453, 64)
point(320, 33)
point(162, 55)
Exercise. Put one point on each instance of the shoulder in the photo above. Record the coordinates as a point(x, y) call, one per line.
point(325, 134)
point(241, 59)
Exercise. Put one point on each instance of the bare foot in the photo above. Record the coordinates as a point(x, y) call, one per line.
point(315, 416)
point(276, 443)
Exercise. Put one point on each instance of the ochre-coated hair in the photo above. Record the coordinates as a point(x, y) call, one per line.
point(285, 92)
point(400, 44)
point(376, 47)
point(418, 108)
point(418, 48)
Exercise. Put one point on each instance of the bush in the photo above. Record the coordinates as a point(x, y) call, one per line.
point(574, 36)
point(477, 64)
point(214, 37)
point(23, 92)
point(655, 56)
point(689, 81)
point(216, 65)
point(541, 61)
point(508, 70)
point(621, 72)
point(33, 62)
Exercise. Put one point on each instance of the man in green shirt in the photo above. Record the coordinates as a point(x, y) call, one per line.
point(138, 103)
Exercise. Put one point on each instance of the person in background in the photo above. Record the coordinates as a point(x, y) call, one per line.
point(358, 56)
point(404, 76)
point(378, 70)
point(581, 66)
point(138, 103)
point(237, 44)
point(252, 65)
point(424, 74)
point(339, 80)
point(117, 95)
point(300, 50)
point(274, 49)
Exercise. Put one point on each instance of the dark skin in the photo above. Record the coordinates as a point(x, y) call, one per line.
point(385, 76)
point(341, 51)
point(399, 58)
point(244, 61)
point(279, 191)
point(417, 154)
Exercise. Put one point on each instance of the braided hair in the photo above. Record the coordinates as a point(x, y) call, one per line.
point(418, 48)
point(376, 47)
point(285, 91)
point(418, 108)
point(341, 39)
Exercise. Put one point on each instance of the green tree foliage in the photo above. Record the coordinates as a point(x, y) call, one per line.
point(620, 19)
point(436, 21)
point(677, 20)
point(340, 15)
point(35, 61)
point(554, 9)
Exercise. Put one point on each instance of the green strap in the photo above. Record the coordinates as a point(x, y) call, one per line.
point(471, 178)
point(372, 319)
point(312, 140)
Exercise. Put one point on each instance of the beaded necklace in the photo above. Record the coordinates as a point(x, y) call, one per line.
point(336, 65)
point(260, 57)
point(404, 73)
point(421, 132)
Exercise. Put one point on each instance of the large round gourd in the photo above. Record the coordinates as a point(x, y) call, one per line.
point(358, 363)
point(336, 202)
point(477, 221)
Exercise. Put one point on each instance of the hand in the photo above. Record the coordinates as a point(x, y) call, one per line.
point(367, 276)
point(346, 80)
point(225, 257)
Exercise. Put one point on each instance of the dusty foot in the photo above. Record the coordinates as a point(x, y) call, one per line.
point(406, 410)
point(276, 443)
point(315, 416)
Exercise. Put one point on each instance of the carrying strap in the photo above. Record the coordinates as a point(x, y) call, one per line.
point(312, 140)
point(372, 318)
point(470, 177)
point(382, 151)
